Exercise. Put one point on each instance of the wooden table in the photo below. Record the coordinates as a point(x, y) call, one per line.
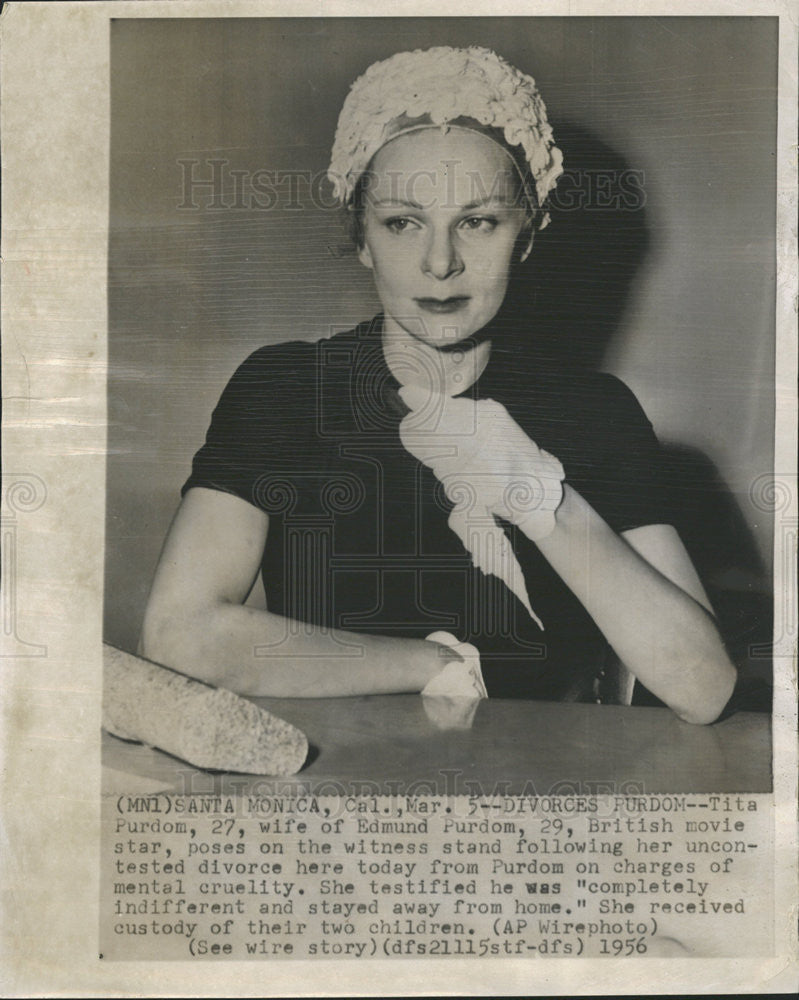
point(388, 745)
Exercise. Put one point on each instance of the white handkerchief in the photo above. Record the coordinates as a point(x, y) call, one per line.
point(488, 467)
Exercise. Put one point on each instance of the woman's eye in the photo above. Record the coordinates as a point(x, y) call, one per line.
point(399, 224)
point(480, 223)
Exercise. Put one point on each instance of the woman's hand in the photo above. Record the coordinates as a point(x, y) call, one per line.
point(641, 589)
point(460, 678)
point(485, 462)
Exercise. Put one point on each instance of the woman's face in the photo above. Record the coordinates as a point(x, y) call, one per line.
point(442, 217)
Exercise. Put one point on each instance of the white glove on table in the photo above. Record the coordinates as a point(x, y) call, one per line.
point(451, 698)
point(457, 679)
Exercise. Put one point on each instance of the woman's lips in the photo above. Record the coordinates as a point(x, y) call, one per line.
point(450, 305)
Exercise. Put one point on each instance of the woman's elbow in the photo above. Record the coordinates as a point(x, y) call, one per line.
point(159, 639)
point(169, 636)
point(712, 697)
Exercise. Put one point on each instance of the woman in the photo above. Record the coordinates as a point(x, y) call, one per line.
point(407, 478)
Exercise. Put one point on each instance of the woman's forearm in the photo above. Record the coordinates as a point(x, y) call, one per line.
point(665, 637)
point(259, 653)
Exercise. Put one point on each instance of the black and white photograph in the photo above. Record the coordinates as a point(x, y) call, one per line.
point(431, 461)
point(418, 383)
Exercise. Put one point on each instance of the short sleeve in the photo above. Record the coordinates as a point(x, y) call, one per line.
point(619, 469)
point(257, 424)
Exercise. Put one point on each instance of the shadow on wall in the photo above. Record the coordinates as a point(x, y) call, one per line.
point(727, 559)
point(584, 264)
point(576, 290)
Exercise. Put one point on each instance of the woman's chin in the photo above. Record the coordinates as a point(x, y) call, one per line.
point(438, 333)
point(441, 338)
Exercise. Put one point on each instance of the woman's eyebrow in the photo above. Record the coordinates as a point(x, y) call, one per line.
point(492, 200)
point(397, 203)
point(480, 203)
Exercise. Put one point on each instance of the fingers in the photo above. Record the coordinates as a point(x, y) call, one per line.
point(484, 460)
point(466, 432)
point(444, 440)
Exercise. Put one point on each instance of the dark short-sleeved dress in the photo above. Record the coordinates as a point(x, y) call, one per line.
point(358, 536)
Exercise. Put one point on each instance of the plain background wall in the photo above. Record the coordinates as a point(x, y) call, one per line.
point(689, 104)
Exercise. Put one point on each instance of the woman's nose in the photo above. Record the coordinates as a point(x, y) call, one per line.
point(441, 259)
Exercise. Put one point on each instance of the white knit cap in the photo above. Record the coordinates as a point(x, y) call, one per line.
point(428, 88)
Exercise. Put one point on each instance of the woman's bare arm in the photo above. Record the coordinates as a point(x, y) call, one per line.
point(196, 621)
point(643, 592)
point(641, 589)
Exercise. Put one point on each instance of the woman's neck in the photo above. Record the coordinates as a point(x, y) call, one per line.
point(413, 362)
